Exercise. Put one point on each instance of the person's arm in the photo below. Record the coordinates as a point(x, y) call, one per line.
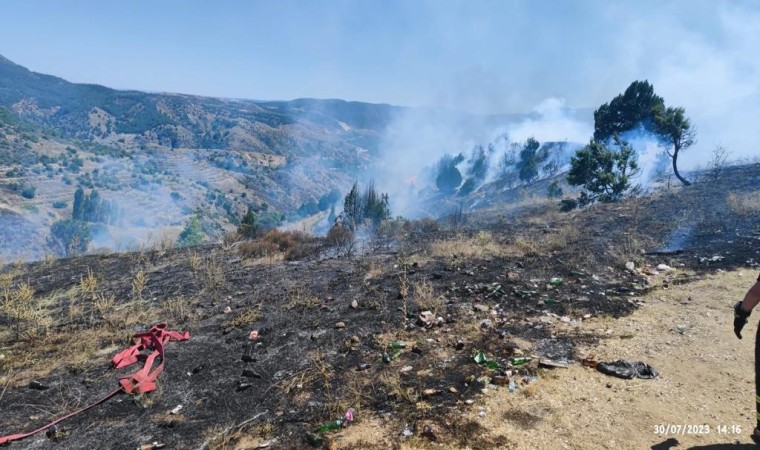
point(752, 298)
point(743, 309)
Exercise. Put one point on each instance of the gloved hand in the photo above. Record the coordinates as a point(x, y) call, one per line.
point(740, 319)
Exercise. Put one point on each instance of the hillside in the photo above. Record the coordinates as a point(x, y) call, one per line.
point(164, 156)
point(509, 282)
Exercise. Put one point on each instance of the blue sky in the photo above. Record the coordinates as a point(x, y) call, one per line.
point(480, 56)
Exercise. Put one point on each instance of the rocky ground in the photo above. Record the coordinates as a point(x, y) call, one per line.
point(394, 333)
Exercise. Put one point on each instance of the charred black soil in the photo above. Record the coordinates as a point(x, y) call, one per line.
point(493, 281)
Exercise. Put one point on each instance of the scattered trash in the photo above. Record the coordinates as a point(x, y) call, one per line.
point(349, 416)
point(519, 361)
point(354, 304)
point(500, 380)
point(512, 385)
point(590, 361)
point(176, 409)
point(266, 444)
point(557, 281)
point(55, 434)
point(243, 385)
point(227, 310)
point(459, 345)
point(38, 385)
point(627, 369)
point(664, 267)
point(481, 358)
point(151, 446)
point(469, 401)
point(427, 431)
point(387, 358)
point(397, 345)
point(407, 432)
point(340, 325)
point(330, 426)
point(406, 369)
point(630, 265)
point(254, 335)
point(363, 366)
point(546, 362)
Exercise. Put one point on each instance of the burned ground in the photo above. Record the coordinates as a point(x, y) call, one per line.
point(488, 278)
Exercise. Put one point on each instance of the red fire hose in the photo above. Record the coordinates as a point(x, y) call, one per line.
point(139, 382)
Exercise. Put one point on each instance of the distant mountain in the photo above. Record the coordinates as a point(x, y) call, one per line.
point(163, 157)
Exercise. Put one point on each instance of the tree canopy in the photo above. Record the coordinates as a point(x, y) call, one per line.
point(604, 173)
point(637, 105)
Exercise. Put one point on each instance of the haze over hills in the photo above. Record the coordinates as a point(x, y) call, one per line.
point(163, 157)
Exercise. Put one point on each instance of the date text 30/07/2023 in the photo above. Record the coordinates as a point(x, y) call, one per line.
point(686, 429)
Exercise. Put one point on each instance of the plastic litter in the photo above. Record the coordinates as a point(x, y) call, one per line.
point(556, 281)
point(512, 385)
point(627, 369)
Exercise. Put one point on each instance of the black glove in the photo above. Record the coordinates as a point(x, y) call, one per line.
point(740, 319)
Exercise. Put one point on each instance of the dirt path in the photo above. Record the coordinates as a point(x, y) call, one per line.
point(706, 380)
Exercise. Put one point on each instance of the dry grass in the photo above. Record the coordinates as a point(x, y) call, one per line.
point(138, 285)
point(291, 245)
point(744, 204)
point(425, 298)
point(482, 245)
point(247, 317)
point(297, 299)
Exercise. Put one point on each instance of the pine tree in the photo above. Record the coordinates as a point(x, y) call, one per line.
point(78, 208)
point(248, 226)
point(192, 234)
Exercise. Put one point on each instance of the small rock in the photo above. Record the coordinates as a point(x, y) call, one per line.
point(459, 345)
point(363, 366)
point(513, 276)
point(453, 390)
point(38, 386)
point(354, 304)
point(427, 431)
point(227, 310)
point(664, 268)
point(314, 439)
point(681, 328)
point(430, 392)
point(340, 325)
point(407, 432)
point(469, 401)
point(480, 307)
point(243, 385)
point(355, 339)
point(250, 373)
point(254, 335)
point(406, 369)
point(565, 319)
point(630, 266)
point(268, 443)
point(586, 316)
